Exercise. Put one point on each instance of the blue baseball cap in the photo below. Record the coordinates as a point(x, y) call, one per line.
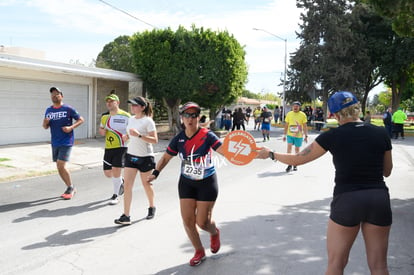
point(341, 100)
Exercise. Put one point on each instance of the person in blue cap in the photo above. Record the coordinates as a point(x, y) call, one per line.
point(361, 201)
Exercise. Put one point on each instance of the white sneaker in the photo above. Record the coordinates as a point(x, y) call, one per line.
point(114, 200)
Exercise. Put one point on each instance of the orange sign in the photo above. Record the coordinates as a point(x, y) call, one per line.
point(239, 147)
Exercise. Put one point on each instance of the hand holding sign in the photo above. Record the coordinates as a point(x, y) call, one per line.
point(240, 147)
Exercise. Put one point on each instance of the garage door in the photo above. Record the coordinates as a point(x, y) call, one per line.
point(22, 107)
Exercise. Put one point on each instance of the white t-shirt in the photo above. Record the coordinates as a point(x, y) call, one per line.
point(137, 146)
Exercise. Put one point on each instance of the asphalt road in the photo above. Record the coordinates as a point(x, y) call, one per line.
point(271, 222)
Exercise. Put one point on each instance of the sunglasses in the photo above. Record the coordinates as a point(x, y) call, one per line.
point(192, 115)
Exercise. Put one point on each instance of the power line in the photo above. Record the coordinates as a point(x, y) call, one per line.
point(130, 15)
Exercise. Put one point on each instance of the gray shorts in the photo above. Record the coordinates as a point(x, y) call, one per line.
point(61, 153)
point(369, 205)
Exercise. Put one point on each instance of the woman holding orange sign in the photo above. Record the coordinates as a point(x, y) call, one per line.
point(362, 158)
point(197, 186)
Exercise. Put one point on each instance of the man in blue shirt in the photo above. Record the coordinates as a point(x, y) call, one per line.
point(59, 118)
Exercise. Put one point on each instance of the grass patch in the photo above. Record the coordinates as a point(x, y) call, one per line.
point(30, 174)
point(5, 165)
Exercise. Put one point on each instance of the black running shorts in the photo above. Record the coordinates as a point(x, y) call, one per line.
point(369, 205)
point(114, 157)
point(200, 190)
point(143, 164)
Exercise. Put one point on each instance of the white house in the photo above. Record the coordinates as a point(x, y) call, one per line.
point(24, 95)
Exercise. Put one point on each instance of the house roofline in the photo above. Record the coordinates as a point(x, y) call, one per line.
point(18, 62)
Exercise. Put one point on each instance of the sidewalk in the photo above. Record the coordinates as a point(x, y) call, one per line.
point(32, 160)
point(21, 161)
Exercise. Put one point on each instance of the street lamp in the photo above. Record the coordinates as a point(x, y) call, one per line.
point(284, 74)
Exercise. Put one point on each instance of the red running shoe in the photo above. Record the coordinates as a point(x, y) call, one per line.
point(215, 242)
point(69, 193)
point(199, 256)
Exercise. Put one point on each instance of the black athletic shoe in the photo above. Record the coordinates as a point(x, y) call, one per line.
point(295, 168)
point(289, 168)
point(114, 199)
point(124, 220)
point(151, 213)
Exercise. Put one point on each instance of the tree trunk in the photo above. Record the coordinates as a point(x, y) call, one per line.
point(173, 114)
point(212, 114)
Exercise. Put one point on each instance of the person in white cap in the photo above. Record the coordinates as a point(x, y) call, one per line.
point(361, 201)
point(113, 126)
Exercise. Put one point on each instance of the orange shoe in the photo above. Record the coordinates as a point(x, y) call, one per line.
point(199, 256)
point(215, 242)
point(69, 193)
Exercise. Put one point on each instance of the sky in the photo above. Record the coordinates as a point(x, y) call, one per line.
point(77, 30)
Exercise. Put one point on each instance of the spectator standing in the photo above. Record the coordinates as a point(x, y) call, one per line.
point(59, 118)
point(398, 118)
point(248, 114)
point(361, 202)
point(319, 118)
point(227, 119)
point(276, 114)
point(238, 120)
point(367, 117)
point(387, 119)
point(309, 112)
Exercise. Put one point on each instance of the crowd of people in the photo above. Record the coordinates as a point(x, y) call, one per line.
point(360, 197)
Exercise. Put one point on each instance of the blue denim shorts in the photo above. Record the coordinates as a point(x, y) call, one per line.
point(61, 153)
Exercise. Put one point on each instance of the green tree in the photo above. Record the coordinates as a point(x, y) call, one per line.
point(347, 47)
point(391, 55)
point(368, 50)
point(249, 94)
point(222, 71)
point(116, 55)
point(397, 66)
point(325, 59)
point(401, 12)
point(385, 98)
point(198, 65)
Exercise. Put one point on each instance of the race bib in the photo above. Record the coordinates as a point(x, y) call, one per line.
point(293, 129)
point(193, 171)
point(266, 120)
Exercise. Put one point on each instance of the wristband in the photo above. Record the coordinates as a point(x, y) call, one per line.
point(140, 136)
point(155, 173)
point(272, 156)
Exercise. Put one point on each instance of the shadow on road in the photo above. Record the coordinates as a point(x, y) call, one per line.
point(66, 211)
point(264, 245)
point(63, 238)
point(27, 204)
